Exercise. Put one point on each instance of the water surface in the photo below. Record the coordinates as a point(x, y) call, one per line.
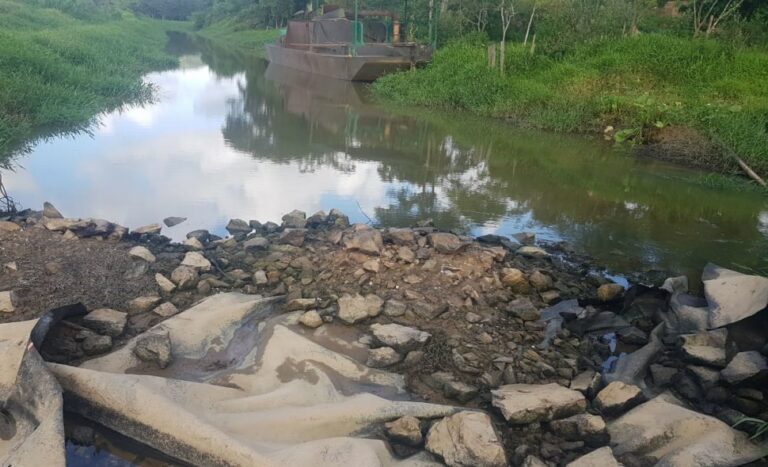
point(230, 136)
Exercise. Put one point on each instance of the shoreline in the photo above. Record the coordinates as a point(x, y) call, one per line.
point(499, 316)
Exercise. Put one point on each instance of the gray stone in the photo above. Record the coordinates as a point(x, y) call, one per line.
point(675, 284)
point(7, 301)
point(401, 236)
point(602, 457)
point(532, 252)
point(173, 221)
point(150, 229)
point(394, 308)
point(401, 338)
point(705, 377)
point(196, 260)
point(587, 383)
point(202, 235)
point(295, 220)
point(7, 226)
point(50, 211)
point(260, 278)
point(617, 398)
point(354, 308)
point(732, 296)
point(446, 243)
point(745, 365)
point(522, 308)
point(525, 238)
point(256, 243)
point(294, 237)
point(528, 403)
point(338, 218)
point(166, 310)
point(405, 430)
point(383, 357)
point(364, 241)
point(706, 348)
point(466, 439)
point(428, 310)
point(300, 304)
point(142, 253)
point(143, 304)
point(632, 336)
point(662, 375)
point(317, 219)
point(164, 283)
point(311, 319)
point(185, 277)
point(154, 346)
point(585, 427)
point(406, 255)
point(450, 386)
point(238, 226)
point(96, 344)
point(193, 243)
point(106, 321)
point(533, 461)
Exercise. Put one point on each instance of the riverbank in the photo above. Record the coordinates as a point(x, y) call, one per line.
point(59, 71)
point(234, 35)
point(472, 323)
point(692, 101)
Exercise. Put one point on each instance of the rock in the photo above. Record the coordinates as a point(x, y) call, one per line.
point(372, 266)
point(429, 311)
point(533, 461)
point(11, 267)
point(662, 375)
point(550, 296)
point(705, 377)
point(150, 229)
point(446, 243)
point(451, 387)
point(166, 310)
point(632, 336)
point(357, 308)
point(383, 357)
point(302, 304)
point(185, 277)
point(394, 308)
point(405, 430)
point(96, 344)
point(50, 211)
point(587, 383)
point(515, 280)
point(106, 321)
point(523, 309)
point(6, 226)
point(52, 267)
point(311, 319)
point(238, 226)
point(586, 427)
point(675, 284)
point(540, 281)
point(295, 220)
point(7, 301)
point(317, 219)
point(201, 235)
point(525, 238)
point(193, 243)
point(406, 255)
point(732, 296)
point(164, 283)
point(401, 237)
point(56, 225)
point(466, 439)
point(365, 241)
point(260, 278)
point(256, 243)
point(706, 348)
point(173, 221)
point(270, 227)
point(617, 398)
point(401, 338)
point(338, 218)
point(196, 260)
point(154, 346)
point(142, 253)
point(745, 365)
point(293, 237)
point(668, 434)
point(528, 403)
point(143, 304)
point(532, 252)
point(609, 292)
point(602, 457)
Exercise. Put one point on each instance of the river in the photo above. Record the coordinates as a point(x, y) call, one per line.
point(230, 136)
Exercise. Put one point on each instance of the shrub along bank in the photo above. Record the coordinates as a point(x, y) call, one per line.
point(643, 86)
point(58, 70)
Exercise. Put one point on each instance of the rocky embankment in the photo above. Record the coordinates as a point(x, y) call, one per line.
point(555, 364)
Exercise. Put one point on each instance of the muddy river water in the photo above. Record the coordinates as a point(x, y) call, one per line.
point(230, 136)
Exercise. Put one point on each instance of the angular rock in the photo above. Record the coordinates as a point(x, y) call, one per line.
point(354, 308)
point(525, 238)
point(142, 253)
point(632, 336)
point(383, 357)
point(745, 365)
point(428, 310)
point(466, 439)
point(260, 278)
point(317, 219)
point(194, 243)
point(401, 338)
point(405, 430)
point(6, 226)
point(540, 281)
point(406, 255)
point(523, 309)
point(447, 383)
point(173, 221)
point(154, 346)
point(164, 283)
point(256, 243)
point(202, 235)
point(196, 260)
point(602, 457)
point(311, 319)
point(166, 310)
point(365, 241)
point(238, 226)
point(662, 375)
point(617, 398)
point(401, 236)
point(587, 383)
point(372, 266)
point(143, 304)
point(300, 304)
point(533, 461)
point(106, 321)
point(50, 211)
point(295, 220)
point(394, 308)
point(338, 218)
point(706, 348)
point(528, 403)
point(532, 252)
point(609, 292)
point(515, 280)
point(294, 237)
point(7, 301)
point(446, 243)
point(185, 277)
point(732, 296)
point(96, 344)
point(150, 229)
point(585, 427)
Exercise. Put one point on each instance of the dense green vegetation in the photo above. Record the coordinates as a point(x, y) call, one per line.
point(58, 70)
point(234, 34)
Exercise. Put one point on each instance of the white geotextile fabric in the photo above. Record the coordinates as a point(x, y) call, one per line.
point(245, 388)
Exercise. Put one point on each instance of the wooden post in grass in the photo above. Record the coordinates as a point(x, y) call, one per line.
point(492, 56)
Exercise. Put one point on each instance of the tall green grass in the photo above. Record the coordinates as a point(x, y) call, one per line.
point(57, 71)
point(236, 35)
point(629, 83)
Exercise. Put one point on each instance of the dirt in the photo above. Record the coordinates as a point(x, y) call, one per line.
point(688, 147)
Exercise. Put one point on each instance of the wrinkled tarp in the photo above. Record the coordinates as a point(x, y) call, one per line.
point(244, 388)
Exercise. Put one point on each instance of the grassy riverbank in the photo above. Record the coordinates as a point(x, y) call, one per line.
point(238, 36)
point(58, 70)
point(643, 86)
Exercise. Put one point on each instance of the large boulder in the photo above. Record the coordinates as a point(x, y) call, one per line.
point(354, 308)
point(295, 220)
point(106, 321)
point(527, 403)
point(732, 296)
point(238, 226)
point(466, 439)
point(50, 211)
point(744, 366)
point(671, 435)
point(602, 457)
point(367, 241)
point(401, 338)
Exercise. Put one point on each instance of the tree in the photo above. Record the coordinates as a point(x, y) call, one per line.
point(708, 14)
point(506, 12)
